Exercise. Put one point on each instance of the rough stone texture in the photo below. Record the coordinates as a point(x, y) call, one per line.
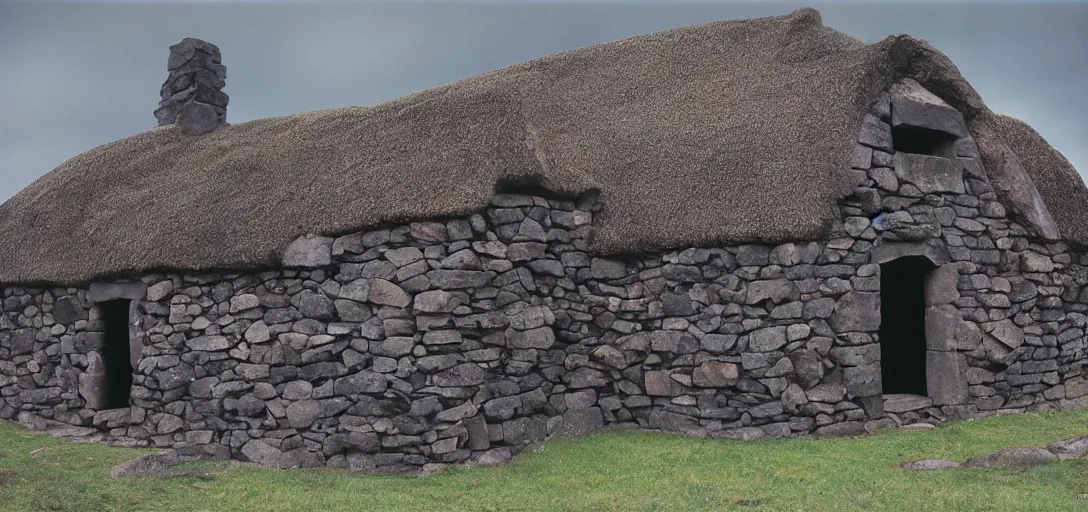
point(1071, 448)
point(931, 174)
point(946, 377)
point(308, 251)
point(150, 465)
point(470, 339)
point(192, 95)
point(929, 464)
point(906, 403)
point(1017, 456)
point(912, 105)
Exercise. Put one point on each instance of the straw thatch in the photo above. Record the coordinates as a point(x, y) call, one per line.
point(728, 132)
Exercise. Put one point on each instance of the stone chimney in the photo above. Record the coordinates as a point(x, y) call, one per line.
point(192, 95)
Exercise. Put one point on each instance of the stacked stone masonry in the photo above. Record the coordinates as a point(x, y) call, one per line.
point(192, 95)
point(473, 338)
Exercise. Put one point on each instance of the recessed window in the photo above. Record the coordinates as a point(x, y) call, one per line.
point(922, 141)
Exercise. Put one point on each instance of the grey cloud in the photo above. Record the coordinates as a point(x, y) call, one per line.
point(77, 75)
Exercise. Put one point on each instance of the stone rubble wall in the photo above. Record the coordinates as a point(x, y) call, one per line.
point(1013, 325)
point(474, 338)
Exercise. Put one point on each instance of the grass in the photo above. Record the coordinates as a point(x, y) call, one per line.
point(612, 470)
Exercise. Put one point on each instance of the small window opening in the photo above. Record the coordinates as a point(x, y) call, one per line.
point(116, 352)
point(923, 141)
point(903, 325)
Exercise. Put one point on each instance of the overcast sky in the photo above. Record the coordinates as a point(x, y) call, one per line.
point(77, 75)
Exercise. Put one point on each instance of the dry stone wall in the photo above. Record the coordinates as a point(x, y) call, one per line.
point(472, 338)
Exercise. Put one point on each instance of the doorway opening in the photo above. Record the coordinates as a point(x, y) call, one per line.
point(903, 324)
point(116, 352)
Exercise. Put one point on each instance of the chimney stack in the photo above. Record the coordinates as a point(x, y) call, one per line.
point(192, 95)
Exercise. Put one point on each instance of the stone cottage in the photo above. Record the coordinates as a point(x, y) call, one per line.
point(741, 229)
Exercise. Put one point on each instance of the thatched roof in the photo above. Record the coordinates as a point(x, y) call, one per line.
point(728, 132)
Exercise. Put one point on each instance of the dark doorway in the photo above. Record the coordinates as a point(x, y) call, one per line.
point(903, 324)
point(116, 353)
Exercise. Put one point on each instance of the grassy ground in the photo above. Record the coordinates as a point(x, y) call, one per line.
point(614, 470)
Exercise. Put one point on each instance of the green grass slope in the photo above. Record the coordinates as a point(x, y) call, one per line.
point(612, 470)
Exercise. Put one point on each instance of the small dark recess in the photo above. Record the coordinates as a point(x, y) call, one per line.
point(116, 353)
point(923, 141)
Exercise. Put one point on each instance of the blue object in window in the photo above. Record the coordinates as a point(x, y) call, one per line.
point(878, 221)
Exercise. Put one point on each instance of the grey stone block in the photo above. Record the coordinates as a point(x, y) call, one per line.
point(942, 325)
point(104, 291)
point(946, 377)
point(912, 105)
point(308, 251)
point(856, 312)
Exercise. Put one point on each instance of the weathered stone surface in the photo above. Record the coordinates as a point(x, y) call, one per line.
point(942, 324)
point(767, 340)
point(540, 338)
point(258, 332)
point(66, 310)
point(896, 403)
point(856, 312)
point(209, 343)
point(21, 341)
point(676, 342)
point(842, 428)
point(876, 133)
point(940, 285)
point(106, 291)
point(715, 374)
point(777, 290)
point(388, 294)
point(1016, 456)
point(303, 413)
point(363, 381)
point(1031, 261)
point(931, 174)
point(946, 377)
point(460, 412)
point(579, 423)
point(151, 465)
point(829, 393)
point(808, 367)
point(1006, 332)
point(601, 268)
point(1016, 189)
point(658, 383)
point(912, 105)
point(308, 251)
point(317, 306)
point(260, 452)
point(587, 378)
point(459, 279)
point(436, 301)
point(160, 290)
point(929, 465)
point(197, 119)
point(611, 356)
point(1069, 448)
point(468, 374)
point(676, 304)
point(855, 355)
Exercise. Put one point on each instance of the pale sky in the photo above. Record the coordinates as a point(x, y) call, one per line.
point(75, 75)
